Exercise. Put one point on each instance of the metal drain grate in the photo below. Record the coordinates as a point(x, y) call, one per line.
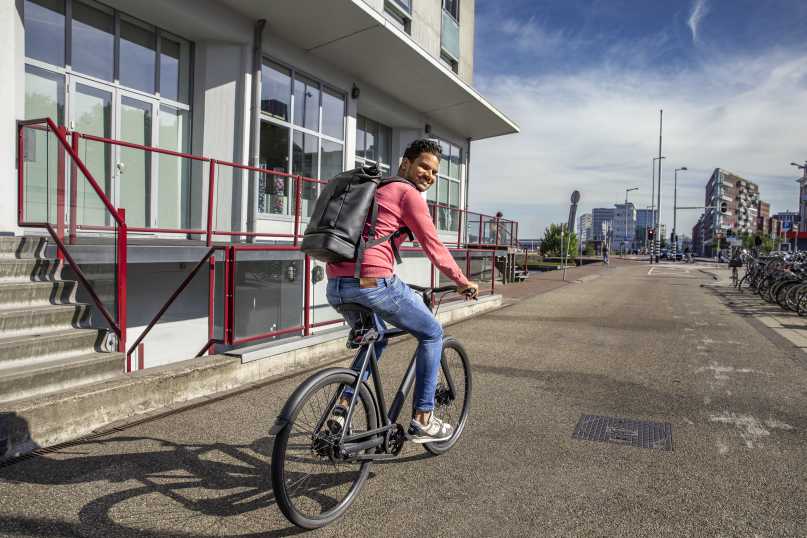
point(624, 431)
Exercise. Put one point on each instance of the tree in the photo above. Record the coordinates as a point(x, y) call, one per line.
point(551, 245)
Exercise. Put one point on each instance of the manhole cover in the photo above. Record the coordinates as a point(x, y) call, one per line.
point(624, 431)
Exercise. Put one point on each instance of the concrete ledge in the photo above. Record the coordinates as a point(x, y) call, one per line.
point(26, 425)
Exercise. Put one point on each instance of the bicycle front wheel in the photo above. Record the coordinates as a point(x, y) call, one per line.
point(452, 398)
point(312, 482)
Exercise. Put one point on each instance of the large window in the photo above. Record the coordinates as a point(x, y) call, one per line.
point(447, 192)
point(107, 46)
point(302, 133)
point(117, 77)
point(373, 141)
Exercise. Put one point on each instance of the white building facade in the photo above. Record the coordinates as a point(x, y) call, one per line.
point(299, 87)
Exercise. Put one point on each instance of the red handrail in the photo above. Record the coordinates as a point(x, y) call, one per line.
point(87, 174)
point(119, 215)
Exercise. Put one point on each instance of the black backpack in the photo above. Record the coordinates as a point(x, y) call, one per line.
point(342, 210)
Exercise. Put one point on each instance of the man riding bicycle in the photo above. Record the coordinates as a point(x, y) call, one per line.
point(400, 204)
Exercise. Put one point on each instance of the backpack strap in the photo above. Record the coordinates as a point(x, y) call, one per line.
point(372, 240)
point(364, 244)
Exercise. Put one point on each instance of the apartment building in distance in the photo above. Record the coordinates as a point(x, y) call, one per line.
point(624, 226)
point(584, 227)
point(742, 208)
point(763, 217)
point(602, 219)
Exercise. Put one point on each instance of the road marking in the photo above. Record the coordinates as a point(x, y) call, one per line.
point(752, 430)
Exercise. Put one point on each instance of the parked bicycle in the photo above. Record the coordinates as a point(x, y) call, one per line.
point(779, 278)
point(320, 461)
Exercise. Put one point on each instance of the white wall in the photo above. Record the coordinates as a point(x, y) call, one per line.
point(12, 97)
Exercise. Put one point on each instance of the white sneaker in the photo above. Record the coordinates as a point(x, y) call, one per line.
point(436, 430)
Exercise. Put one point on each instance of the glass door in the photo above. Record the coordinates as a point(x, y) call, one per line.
point(91, 113)
point(134, 166)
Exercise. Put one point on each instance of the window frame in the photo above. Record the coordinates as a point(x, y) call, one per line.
point(68, 71)
point(363, 160)
point(269, 61)
point(455, 16)
point(399, 14)
point(70, 77)
point(446, 181)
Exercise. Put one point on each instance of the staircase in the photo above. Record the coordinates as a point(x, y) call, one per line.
point(46, 344)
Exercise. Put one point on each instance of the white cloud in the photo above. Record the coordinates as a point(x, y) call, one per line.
point(597, 131)
point(699, 10)
point(529, 36)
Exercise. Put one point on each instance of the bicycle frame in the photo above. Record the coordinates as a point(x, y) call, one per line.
point(353, 444)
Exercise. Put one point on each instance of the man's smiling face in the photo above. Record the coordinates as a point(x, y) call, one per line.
point(422, 172)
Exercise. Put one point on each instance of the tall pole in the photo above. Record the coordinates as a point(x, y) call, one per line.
point(658, 194)
point(675, 209)
point(801, 182)
point(624, 242)
point(652, 205)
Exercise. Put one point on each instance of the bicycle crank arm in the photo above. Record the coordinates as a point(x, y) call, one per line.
point(370, 457)
point(349, 449)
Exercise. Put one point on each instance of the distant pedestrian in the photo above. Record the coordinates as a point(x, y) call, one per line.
point(605, 254)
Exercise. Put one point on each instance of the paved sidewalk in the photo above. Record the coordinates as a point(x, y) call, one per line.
point(542, 282)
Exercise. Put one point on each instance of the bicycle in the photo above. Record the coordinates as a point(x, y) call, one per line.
point(304, 436)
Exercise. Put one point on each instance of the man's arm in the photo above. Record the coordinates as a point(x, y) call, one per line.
point(415, 214)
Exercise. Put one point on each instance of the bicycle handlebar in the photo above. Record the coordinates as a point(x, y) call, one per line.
point(441, 289)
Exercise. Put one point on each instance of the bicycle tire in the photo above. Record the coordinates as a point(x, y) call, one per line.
point(455, 412)
point(320, 390)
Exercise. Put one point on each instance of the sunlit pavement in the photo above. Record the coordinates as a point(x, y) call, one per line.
point(662, 343)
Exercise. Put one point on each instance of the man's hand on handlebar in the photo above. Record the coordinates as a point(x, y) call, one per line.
point(470, 291)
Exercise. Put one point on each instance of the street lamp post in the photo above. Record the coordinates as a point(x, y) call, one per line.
point(801, 181)
point(626, 217)
point(653, 202)
point(675, 211)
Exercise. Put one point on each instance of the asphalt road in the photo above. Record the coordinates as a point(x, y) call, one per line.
point(620, 343)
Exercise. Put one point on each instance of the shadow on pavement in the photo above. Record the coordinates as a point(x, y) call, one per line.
point(211, 489)
point(15, 436)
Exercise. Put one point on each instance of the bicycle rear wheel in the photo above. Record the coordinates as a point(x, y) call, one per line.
point(313, 484)
point(454, 410)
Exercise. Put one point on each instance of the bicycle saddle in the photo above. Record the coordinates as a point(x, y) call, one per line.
point(365, 324)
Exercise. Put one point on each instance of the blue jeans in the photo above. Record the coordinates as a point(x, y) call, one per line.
point(397, 304)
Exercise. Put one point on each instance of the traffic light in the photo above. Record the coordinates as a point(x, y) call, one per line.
point(724, 207)
point(651, 233)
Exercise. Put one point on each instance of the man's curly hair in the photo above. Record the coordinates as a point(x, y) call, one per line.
point(423, 145)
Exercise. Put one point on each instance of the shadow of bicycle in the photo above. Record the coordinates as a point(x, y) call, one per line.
point(158, 488)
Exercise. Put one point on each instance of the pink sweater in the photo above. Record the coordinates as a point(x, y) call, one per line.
point(400, 204)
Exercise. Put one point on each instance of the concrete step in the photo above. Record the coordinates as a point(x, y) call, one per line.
point(57, 375)
point(15, 294)
point(30, 349)
point(21, 247)
point(37, 319)
point(26, 269)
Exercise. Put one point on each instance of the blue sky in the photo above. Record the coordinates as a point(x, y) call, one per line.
point(585, 81)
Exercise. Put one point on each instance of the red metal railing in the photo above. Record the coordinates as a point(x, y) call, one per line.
point(64, 149)
point(493, 233)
